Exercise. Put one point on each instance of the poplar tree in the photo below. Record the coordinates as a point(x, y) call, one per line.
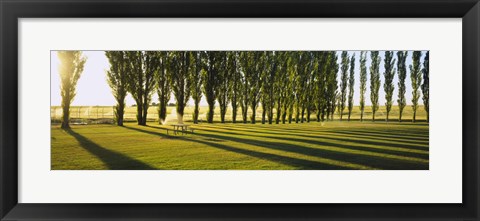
point(363, 82)
point(332, 84)
point(291, 88)
point(163, 86)
point(223, 84)
point(302, 70)
point(150, 67)
point(343, 83)
point(402, 75)
point(426, 82)
point(70, 69)
point(388, 87)
point(210, 81)
point(281, 87)
point(416, 79)
point(136, 81)
point(180, 81)
point(236, 83)
point(253, 65)
point(245, 97)
point(374, 81)
point(351, 84)
point(310, 86)
point(117, 80)
point(268, 84)
point(320, 84)
point(196, 81)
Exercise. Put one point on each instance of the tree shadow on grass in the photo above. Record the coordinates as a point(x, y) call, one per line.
point(410, 133)
point(406, 141)
point(295, 162)
point(113, 160)
point(381, 162)
point(398, 152)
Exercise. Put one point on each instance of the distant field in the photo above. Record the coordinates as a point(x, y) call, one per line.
point(106, 112)
point(314, 146)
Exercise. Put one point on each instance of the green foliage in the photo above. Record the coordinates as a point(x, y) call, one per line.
point(253, 64)
point(402, 75)
point(151, 64)
point(343, 83)
point(374, 81)
point(213, 65)
point(388, 87)
point(117, 80)
point(70, 70)
point(180, 82)
point(223, 84)
point(426, 82)
point(141, 70)
point(197, 62)
point(363, 81)
point(416, 79)
point(236, 83)
point(320, 81)
point(163, 86)
point(268, 83)
point(332, 84)
point(280, 87)
point(351, 85)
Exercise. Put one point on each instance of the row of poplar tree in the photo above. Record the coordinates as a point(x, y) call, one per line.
point(299, 83)
point(289, 85)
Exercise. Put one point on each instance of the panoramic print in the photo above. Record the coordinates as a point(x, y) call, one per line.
point(239, 110)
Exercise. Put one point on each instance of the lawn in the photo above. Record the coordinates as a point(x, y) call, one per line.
point(330, 145)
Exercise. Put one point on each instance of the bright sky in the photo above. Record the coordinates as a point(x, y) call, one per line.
point(92, 88)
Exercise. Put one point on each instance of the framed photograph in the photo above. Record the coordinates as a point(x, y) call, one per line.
point(173, 110)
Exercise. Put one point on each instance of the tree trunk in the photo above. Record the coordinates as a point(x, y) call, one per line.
point(119, 114)
point(279, 115)
point(223, 111)
point(139, 113)
point(145, 113)
point(264, 112)
point(162, 111)
point(414, 116)
point(196, 111)
point(66, 117)
point(373, 116)
point(244, 113)
point(303, 115)
point(388, 113)
point(211, 111)
point(361, 115)
point(400, 116)
point(254, 113)
point(180, 112)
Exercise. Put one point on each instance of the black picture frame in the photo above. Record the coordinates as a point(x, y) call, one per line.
point(11, 11)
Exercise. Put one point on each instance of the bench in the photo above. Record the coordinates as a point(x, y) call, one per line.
point(178, 131)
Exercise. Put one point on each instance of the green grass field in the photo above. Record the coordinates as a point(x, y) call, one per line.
point(331, 145)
